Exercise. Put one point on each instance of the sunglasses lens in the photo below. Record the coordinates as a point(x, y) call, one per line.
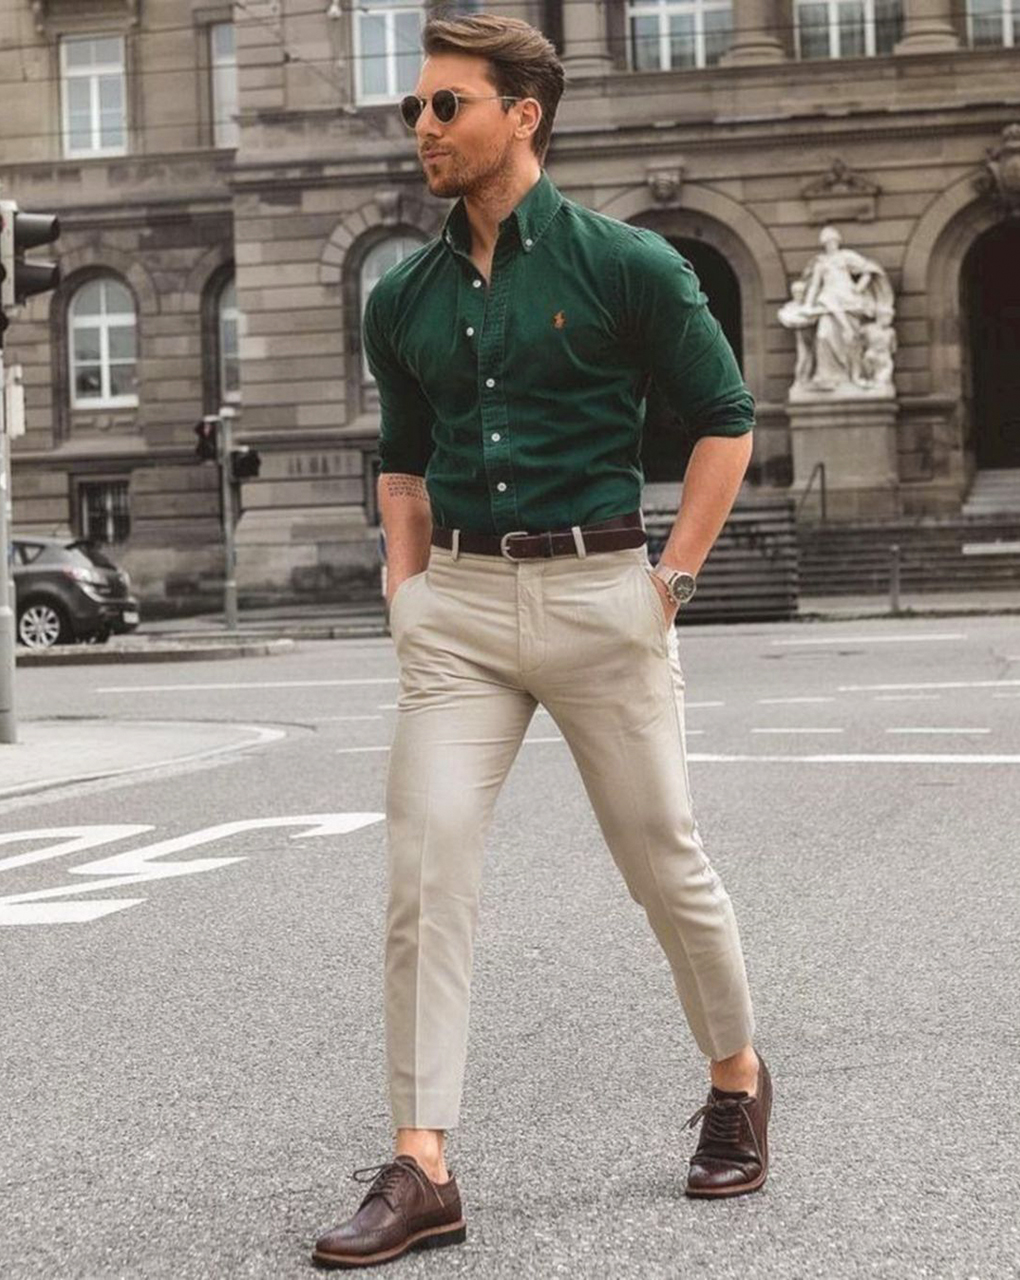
point(410, 110)
point(444, 104)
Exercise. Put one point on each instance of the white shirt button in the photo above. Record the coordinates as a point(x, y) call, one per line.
point(477, 284)
point(470, 332)
point(495, 435)
point(490, 382)
point(501, 487)
point(528, 244)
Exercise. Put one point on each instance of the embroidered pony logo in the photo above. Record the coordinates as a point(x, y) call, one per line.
point(560, 320)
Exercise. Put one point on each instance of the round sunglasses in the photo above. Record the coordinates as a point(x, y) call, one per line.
point(445, 105)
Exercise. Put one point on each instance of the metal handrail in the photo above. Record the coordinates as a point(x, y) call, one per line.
point(819, 470)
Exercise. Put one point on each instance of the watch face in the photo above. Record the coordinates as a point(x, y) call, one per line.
point(682, 587)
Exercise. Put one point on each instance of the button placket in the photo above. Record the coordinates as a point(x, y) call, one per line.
point(492, 394)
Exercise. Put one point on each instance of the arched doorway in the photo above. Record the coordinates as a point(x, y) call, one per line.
point(990, 305)
point(666, 446)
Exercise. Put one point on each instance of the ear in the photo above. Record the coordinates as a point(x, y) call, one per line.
point(529, 117)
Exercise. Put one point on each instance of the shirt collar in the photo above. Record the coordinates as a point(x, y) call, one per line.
point(531, 217)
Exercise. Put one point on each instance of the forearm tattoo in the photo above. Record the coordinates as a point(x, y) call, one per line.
point(404, 486)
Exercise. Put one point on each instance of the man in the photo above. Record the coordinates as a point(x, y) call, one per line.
point(512, 356)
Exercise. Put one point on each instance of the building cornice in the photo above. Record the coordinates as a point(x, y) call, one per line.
point(719, 135)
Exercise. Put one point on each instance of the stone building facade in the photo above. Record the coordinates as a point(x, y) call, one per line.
point(231, 179)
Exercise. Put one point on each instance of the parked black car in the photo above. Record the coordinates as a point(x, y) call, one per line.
point(67, 591)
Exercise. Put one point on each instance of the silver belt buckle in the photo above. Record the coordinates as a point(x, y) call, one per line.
point(516, 533)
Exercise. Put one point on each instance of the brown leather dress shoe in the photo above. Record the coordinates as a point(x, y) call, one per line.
point(733, 1151)
point(403, 1210)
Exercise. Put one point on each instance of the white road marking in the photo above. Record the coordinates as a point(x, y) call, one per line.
point(874, 758)
point(353, 751)
point(244, 684)
point(924, 730)
point(909, 697)
point(81, 838)
point(543, 711)
point(867, 639)
point(137, 866)
point(931, 684)
point(776, 702)
point(331, 719)
point(63, 912)
point(797, 730)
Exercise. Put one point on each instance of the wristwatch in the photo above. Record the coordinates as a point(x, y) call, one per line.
point(680, 586)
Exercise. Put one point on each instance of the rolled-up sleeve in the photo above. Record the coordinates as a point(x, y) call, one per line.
point(678, 341)
point(405, 429)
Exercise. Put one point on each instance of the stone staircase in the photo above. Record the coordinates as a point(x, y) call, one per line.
point(936, 554)
point(994, 493)
point(751, 572)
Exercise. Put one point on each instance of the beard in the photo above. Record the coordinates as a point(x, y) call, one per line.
point(456, 177)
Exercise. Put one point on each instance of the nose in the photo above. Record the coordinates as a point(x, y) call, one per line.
point(427, 126)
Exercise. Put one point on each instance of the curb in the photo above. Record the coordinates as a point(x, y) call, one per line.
point(263, 736)
point(301, 631)
point(178, 651)
point(858, 615)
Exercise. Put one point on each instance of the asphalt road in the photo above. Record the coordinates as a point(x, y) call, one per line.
point(189, 1080)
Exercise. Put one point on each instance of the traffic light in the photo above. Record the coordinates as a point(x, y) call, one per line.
point(21, 278)
point(207, 449)
point(245, 464)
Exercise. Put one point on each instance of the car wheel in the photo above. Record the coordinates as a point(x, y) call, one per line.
point(41, 625)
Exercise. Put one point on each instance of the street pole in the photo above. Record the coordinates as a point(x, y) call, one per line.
point(8, 723)
point(225, 444)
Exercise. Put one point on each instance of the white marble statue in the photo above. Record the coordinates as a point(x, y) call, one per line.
point(841, 310)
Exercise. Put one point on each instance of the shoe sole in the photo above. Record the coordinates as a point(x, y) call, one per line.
point(743, 1188)
point(431, 1238)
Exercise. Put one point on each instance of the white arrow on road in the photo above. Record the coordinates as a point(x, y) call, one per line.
point(70, 840)
point(137, 866)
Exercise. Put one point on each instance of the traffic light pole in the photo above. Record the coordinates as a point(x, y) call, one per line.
point(225, 444)
point(8, 724)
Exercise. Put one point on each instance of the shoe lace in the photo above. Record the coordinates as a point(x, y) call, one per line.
point(385, 1178)
point(723, 1118)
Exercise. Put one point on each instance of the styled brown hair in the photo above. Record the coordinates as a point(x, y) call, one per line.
point(523, 62)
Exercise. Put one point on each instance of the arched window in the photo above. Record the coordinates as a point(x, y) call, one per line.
point(379, 259)
point(103, 346)
point(226, 327)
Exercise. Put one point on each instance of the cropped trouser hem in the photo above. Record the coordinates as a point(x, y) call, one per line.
point(432, 1109)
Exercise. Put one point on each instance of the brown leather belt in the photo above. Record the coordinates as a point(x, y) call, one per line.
point(608, 535)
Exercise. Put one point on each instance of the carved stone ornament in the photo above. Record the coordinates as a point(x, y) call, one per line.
point(841, 195)
point(389, 206)
point(666, 184)
point(1001, 178)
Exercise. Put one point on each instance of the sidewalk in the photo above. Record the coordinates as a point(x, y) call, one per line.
point(52, 753)
point(918, 604)
point(353, 621)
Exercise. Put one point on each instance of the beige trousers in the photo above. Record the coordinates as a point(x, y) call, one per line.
point(480, 642)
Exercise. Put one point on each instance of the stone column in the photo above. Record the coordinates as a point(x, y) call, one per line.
point(754, 38)
point(927, 28)
point(585, 38)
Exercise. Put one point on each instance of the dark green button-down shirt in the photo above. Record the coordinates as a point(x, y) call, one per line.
point(522, 402)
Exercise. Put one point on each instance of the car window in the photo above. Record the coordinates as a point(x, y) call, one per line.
point(26, 552)
point(91, 553)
